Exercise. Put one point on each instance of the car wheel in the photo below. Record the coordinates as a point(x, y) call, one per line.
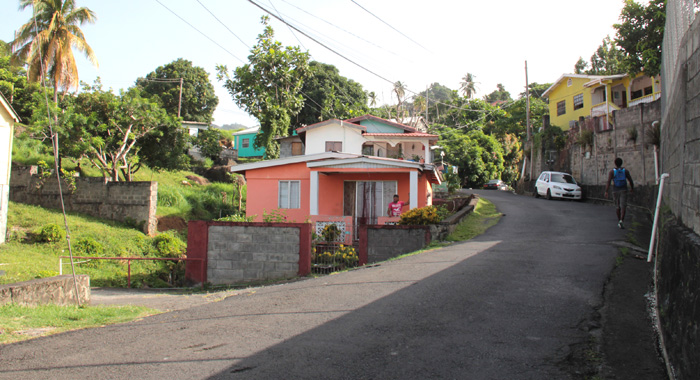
point(549, 195)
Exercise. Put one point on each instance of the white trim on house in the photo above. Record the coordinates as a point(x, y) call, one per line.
point(290, 160)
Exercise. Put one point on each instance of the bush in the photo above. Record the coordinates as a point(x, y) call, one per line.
point(88, 246)
point(169, 245)
point(421, 216)
point(50, 233)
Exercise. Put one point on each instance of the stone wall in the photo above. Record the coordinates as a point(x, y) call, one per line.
point(59, 290)
point(134, 202)
point(678, 255)
point(246, 252)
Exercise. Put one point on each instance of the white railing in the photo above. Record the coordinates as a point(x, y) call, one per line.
point(645, 99)
point(599, 109)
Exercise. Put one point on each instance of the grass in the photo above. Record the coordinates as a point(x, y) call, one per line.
point(477, 222)
point(19, 323)
point(22, 258)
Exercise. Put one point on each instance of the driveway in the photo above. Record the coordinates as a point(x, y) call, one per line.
point(509, 304)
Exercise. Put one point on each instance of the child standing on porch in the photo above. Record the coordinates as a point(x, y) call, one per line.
point(396, 207)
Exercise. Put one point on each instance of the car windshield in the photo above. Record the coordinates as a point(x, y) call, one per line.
point(562, 178)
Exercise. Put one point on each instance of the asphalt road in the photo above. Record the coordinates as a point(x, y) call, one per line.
point(509, 304)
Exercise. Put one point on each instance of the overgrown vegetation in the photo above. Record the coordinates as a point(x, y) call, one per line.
point(477, 222)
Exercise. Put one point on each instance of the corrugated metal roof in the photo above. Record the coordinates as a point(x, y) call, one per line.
point(413, 134)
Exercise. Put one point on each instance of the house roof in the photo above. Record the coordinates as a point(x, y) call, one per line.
point(247, 131)
point(343, 123)
point(385, 121)
point(9, 108)
point(565, 76)
point(340, 160)
point(598, 81)
point(411, 134)
point(195, 125)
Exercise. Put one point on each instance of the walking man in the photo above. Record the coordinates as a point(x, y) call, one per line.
point(619, 176)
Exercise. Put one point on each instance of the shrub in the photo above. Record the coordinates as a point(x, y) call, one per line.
point(421, 216)
point(88, 246)
point(50, 233)
point(330, 233)
point(236, 218)
point(169, 245)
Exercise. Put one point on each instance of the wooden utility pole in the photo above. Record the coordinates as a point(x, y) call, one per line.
point(527, 119)
point(179, 103)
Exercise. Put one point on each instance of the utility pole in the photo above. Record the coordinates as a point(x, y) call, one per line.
point(527, 118)
point(179, 103)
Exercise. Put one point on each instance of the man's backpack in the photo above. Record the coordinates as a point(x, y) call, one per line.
point(620, 177)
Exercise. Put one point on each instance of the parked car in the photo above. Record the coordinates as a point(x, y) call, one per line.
point(496, 184)
point(557, 185)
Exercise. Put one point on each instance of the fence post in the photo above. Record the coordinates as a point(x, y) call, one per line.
point(197, 248)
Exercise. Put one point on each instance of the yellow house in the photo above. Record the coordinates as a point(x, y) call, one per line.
point(574, 96)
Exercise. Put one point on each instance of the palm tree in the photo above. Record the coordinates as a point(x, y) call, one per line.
point(372, 99)
point(400, 90)
point(467, 86)
point(45, 43)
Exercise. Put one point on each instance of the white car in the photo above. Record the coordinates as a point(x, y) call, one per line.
point(557, 185)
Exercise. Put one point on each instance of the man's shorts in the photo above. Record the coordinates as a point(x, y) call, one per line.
point(620, 199)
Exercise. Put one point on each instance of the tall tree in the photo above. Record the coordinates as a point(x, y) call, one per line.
point(640, 34)
point(269, 87)
point(372, 96)
point(400, 91)
point(15, 87)
point(607, 59)
point(467, 86)
point(198, 100)
point(580, 66)
point(45, 43)
point(328, 95)
point(499, 95)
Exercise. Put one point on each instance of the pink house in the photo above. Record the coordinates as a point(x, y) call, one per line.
point(347, 176)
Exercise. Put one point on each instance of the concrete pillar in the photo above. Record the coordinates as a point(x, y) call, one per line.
point(313, 193)
point(413, 195)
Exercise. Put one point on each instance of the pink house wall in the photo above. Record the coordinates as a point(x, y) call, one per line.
point(263, 188)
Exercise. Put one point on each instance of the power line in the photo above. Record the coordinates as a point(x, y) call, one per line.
point(200, 32)
point(290, 29)
point(337, 27)
point(323, 45)
point(220, 22)
point(398, 31)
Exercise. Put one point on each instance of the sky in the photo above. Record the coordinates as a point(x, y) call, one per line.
point(415, 42)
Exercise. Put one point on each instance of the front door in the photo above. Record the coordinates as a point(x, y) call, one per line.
point(367, 200)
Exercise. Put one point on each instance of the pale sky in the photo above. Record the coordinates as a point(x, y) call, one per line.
point(437, 41)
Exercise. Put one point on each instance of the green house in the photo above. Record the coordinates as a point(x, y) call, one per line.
point(244, 143)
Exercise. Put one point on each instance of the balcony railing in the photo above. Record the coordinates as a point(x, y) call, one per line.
point(645, 99)
point(599, 109)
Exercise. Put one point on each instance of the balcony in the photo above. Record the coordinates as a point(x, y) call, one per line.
point(645, 99)
point(600, 109)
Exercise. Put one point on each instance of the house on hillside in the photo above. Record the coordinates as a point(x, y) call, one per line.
point(8, 118)
point(347, 176)
point(193, 127)
point(576, 96)
point(243, 143)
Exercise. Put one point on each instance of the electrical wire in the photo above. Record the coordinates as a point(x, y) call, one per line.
point(221, 22)
point(200, 32)
point(386, 23)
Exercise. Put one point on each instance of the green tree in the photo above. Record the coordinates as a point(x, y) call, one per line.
point(209, 143)
point(640, 34)
point(607, 59)
point(499, 95)
point(48, 48)
point(104, 128)
point(400, 91)
point(467, 86)
point(478, 155)
point(15, 87)
point(269, 87)
point(328, 95)
point(165, 147)
point(536, 90)
point(198, 98)
point(580, 66)
point(372, 99)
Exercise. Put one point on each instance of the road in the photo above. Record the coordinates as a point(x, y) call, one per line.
point(509, 304)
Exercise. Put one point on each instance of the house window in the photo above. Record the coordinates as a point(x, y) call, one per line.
point(561, 108)
point(569, 83)
point(578, 101)
point(245, 143)
point(289, 194)
point(368, 150)
point(334, 146)
point(297, 149)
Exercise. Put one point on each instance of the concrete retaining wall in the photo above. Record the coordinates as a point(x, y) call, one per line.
point(122, 201)
point(59, 290)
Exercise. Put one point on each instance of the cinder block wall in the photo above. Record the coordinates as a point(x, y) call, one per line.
point(121, 201)
point(379, 243)
point(245, 252)
point(58, 290)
